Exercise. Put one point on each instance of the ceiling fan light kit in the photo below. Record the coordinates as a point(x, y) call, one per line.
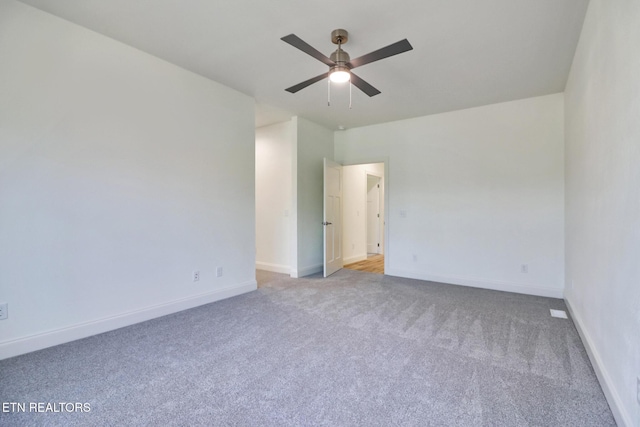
point(339, 74)
point(340, 64)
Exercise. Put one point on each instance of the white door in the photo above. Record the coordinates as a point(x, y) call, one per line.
point(373, 214)
point(332, 223)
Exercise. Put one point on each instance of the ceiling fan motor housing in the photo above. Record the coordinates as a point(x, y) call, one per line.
point(340, 57)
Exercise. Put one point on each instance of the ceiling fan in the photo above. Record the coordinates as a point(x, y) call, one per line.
point(340, 65)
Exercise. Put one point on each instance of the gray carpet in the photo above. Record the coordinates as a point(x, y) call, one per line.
point(357, 349)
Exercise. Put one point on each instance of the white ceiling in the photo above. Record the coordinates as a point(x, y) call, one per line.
point(466, 52)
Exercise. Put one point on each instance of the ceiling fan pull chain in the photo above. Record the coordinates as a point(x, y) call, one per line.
point(329, 93)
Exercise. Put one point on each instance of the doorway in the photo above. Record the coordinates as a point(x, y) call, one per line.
point(363, 217)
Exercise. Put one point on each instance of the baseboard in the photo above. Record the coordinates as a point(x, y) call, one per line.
point(307, 271)
point(623, 418)
point(519, 288)
point(356, 258)
point(275, 268)
point(60, 336)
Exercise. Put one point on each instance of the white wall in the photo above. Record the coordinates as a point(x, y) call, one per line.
point(354, 235)
point(473, 194)
point(312, 143)
point(120, 174)
point(273, 196)
point(602, 198)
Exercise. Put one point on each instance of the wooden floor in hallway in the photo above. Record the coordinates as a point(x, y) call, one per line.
point(373, 264)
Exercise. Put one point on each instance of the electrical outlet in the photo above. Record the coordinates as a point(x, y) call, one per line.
point(4, 311)
point(218, 271)
point(524, 268)
point(196, 275)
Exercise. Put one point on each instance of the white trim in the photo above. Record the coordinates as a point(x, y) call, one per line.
point(519, 288)
point(82, 330)
point(275, 268)
point(356, 258)
point(307, 271)
point(623, 418)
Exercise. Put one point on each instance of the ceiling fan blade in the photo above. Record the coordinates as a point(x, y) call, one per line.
point(364, 86)
point(300, 86)
point(297, 42)
point(385, 52)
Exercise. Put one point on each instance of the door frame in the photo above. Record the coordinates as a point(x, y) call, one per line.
point(387, 190)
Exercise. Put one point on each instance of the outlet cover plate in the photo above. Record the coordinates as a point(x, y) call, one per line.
point(4, 311)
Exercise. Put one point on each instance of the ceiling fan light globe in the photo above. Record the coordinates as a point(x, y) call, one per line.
point(340, 76)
